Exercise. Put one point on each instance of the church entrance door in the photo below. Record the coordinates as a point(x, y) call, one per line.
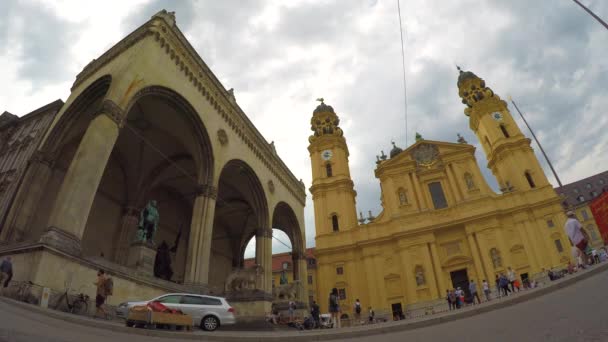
point(461, 279)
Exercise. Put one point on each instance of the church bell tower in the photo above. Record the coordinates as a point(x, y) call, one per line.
point(332, 188)
point(509, 154)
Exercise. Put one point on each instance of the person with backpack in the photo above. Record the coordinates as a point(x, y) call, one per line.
point(105, 288)
point(334, 307)
point(357, 309)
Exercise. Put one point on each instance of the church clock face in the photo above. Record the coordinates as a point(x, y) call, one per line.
point(497, 116)
point(327, 154)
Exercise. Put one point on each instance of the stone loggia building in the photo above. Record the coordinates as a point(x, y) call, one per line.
point(441, 224)
point(147, 120)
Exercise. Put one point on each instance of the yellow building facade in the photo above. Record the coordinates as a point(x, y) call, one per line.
point(441, 224)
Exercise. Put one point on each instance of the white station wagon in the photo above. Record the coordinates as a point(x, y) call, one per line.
point(208, 312)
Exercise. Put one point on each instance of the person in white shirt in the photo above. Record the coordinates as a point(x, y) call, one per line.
point(574, 230)
point(511, 277)
point(486, 289)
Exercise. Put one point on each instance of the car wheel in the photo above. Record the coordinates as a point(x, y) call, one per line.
point(129, 324)
point(210, 323)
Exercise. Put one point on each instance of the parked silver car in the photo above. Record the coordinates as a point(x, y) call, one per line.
point(207, 311)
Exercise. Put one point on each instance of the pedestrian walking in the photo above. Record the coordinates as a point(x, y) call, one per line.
point(459, 297)
point(292, 310)
point(315, 313)
point(370, 315)
point(473, 290)
point(504, 284)
point(6, 271)
point(448, 297)
point(100, 298)
point(574, 230)
point(357, 309)
point(334, 307)
point(486, 289)
point(512, 277)
point(498, 289)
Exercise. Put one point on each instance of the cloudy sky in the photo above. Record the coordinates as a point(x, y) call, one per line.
point(279, 56)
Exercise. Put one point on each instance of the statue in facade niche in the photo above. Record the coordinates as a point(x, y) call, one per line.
point(148, 223)
point(469, 180)
point(419, 276)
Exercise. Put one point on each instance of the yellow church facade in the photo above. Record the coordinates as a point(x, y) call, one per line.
point(441, 224)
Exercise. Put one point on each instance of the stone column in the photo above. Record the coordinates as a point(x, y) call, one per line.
point(300, 273)
point(201, 234)
point(266, 257)
point(19, 218)
point(73, 203)
point(408, 279)
point(128, 225)
point(476, 258)
point(484, 250)
point(371, 280)
point(438, 269)
point(260, 247)
point(432, 274)
point(420, 195)
point(530, 252)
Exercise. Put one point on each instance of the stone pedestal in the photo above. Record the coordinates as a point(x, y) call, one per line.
point(141, 257)
point(251, 305)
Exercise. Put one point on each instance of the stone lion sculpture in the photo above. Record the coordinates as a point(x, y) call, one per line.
point(286, 291)
point(244, 278)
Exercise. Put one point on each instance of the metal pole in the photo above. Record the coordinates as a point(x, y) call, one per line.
point(539, 145)
point(592, 14)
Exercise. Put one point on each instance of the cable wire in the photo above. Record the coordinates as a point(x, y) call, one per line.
point(403, 64)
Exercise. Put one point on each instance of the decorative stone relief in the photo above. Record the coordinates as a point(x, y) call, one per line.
point(222, 137)
point(271, 186)
point(452, 248)
point(425, 155)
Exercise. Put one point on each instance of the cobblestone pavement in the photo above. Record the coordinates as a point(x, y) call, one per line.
point(578, 312)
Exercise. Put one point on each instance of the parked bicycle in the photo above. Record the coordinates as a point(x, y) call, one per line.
point(79, 305)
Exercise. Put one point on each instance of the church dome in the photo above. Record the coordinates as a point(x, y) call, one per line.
point(323, 108)
point(395, 150)
point(464, 75)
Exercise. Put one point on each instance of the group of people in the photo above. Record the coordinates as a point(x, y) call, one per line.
point(457, 298)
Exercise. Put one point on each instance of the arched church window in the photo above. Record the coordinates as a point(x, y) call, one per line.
point(328, 170)
point(496, 259)
point(529, 179)
point(402, 197)
point(504, 131)
point(334, 223)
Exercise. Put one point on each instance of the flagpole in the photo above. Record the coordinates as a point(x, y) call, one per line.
point(592, 14)
point(537, 142)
